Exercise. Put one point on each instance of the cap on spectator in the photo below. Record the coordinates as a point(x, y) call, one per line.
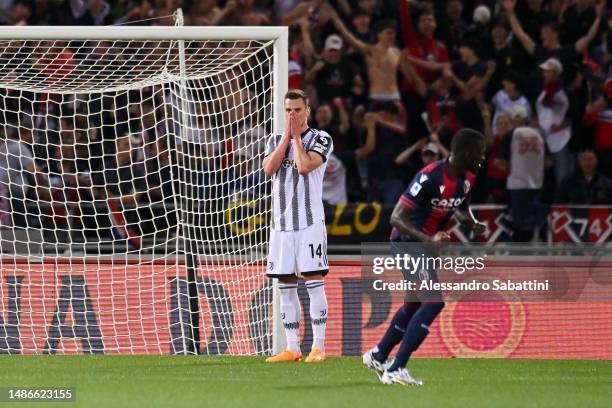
point(482, 14)
point(430, 147)
point(552, 64)
point(518, 112)
point(334, 42)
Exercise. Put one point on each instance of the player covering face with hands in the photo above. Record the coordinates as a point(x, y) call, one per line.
point(438, 192)
point(296, 162)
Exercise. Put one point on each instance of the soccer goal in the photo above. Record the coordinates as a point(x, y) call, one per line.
point(133, 209)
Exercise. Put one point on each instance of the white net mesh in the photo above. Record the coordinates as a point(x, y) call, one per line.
point(133, 208)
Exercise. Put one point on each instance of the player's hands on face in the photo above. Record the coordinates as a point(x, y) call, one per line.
point(295, 127)
point(441, 236)
point(479, 228)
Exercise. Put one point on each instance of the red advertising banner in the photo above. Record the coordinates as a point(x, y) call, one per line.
point(78, 307)
point(137, 309)
point(513, 328)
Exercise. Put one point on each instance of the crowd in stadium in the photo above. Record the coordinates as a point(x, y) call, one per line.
point(391, 81)
point(373, 67)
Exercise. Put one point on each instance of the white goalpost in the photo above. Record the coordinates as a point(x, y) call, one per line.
point(133, 209)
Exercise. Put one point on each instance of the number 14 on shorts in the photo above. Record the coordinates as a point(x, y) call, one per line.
point(318, 251)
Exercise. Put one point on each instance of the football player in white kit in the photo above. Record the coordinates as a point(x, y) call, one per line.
point(298, 240)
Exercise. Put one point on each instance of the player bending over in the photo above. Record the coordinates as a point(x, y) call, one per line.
point(436, 193)
point(298, 239)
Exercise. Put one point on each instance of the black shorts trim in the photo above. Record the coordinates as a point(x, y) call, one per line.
point(279, 275)
point(322, 272)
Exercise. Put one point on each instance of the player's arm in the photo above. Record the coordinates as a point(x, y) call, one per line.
point(309, 160)
point(306, 161)
point(274, 157)
point(466, 217)
point(400, 220)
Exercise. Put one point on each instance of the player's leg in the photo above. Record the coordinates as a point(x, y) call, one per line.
point(376, 357)
point(313, 264)
point(416, 332)
point(282, 265)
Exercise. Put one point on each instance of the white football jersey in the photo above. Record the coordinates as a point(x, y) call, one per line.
point(297, 199)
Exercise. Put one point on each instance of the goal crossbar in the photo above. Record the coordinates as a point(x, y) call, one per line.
point(229, 33)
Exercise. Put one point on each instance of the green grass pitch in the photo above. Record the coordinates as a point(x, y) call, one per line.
point(178, 381)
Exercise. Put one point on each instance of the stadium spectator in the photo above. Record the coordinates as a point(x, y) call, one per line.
point(552, 108)
point(522, 153)
point(122, 177)
point(22, 182)
point(586, 185)
point(509, 96)
point(333, 75)
point(430, 151)
point(502, 53)
point(577, 19)
point(421, 43)
point(19, 15)
point(334, 182)
point(572, 102)
point(361, 26)
point(468, 76)
point(383, 59)
point(335, 124)
point(385, 177)
point(441, 107)
point(551, 46)
point(599, 113)
point(91, 12)
point(50, 12)
point(496, 172)
point(532, 15)
point(453, 27)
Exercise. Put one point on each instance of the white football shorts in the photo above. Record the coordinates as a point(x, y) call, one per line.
point(298, 252)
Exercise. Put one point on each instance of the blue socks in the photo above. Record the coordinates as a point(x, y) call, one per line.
point(397, 329)
point(416, 332)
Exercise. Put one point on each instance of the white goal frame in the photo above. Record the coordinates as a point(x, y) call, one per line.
point(279, 35)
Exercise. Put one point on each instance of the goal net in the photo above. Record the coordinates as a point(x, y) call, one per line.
point(133, 210)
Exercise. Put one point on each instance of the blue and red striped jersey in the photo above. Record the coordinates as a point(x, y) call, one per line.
point(433, 196)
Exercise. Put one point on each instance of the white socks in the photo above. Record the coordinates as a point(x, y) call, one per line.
point(290, 313)
point(318, 312)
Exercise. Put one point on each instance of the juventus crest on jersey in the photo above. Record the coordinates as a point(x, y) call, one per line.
point(297, 199)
